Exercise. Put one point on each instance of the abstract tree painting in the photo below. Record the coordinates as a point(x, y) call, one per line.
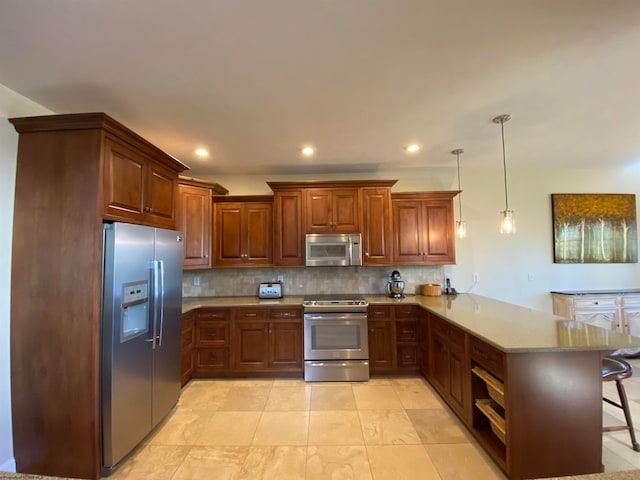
point(594, 228)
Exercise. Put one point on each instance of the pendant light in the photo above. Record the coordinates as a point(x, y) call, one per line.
point(461, 226)
point(508, 224)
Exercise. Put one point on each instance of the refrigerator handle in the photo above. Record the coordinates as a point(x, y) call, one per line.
point(161, 299)
point(154, 265)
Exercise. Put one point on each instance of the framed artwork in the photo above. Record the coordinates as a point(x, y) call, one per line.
point(594, 228)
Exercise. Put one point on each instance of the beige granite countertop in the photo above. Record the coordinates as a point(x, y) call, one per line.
point(510, 328)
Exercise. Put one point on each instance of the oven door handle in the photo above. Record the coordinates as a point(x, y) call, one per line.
point(342, 317)
point(337, 363)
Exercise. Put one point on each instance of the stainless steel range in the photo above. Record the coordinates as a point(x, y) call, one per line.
point(336, 344)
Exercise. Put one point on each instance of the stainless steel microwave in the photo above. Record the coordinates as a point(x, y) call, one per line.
point(333, 249)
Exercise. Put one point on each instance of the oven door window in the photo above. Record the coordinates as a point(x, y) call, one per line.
point(336, 337)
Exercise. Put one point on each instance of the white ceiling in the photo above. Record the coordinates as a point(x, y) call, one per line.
point(254, 80)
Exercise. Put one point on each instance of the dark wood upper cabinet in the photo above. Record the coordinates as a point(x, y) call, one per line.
point(423, 228)
point(288, 238)
point(377, 233)
point(194, 220)
point(332, 210)
point(243, 231)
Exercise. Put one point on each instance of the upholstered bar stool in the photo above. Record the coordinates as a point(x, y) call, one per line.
point(615, 369)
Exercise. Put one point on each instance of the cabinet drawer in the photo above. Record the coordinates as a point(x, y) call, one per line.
point(284, 313)
point(215, 357)
point(212, 333)
point(631, 300)
point(379, 312)
point(407, 331)
point(251, 313)
point(590, 302)
point(454, 335)
point(406, 311)
point(213, 314)
point(487, 356)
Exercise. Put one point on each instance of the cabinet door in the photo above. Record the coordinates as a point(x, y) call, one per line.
point(243, 234)
point(332, 210)
point(288, 229)
point(319, 216)
point(161, 190)
point(123, 187)
point(407, 232)
point(439, 363)
point(251, 348)
point(437, 232)
point(381, 345)
point(600, 318)
point(137, 189)
point(423, 343)
point(258, 237)
point(285, 346)
point(377, 236)
point(229, 234)
point(346, 210)
point(194, 221)
point(187, 358)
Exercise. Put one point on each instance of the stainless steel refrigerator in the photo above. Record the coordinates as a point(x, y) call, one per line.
point(140, 354)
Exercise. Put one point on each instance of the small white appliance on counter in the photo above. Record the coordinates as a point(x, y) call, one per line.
point(270, 290)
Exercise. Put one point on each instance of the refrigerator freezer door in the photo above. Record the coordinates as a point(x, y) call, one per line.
point(127, 355)
point(166, 365)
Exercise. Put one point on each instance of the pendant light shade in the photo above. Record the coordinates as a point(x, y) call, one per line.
point(508, 222)
point(461, 226)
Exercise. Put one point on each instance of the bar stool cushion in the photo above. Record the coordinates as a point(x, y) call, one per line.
point(614, 368)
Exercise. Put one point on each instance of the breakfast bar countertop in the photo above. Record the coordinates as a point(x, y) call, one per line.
point(508, 327)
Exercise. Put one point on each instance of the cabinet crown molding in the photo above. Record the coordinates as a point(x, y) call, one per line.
point(330, 184)
point(92, 121)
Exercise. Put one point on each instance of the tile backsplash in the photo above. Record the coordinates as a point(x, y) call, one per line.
point(225, 282)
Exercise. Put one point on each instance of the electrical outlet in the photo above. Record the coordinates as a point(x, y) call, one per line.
point(281, 278)
point(476, 277)
point(196, 281)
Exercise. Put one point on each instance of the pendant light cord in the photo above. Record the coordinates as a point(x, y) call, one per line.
point(504, 163)
point(459, 196)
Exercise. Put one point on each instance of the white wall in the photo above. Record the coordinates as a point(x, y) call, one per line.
point(11, 105)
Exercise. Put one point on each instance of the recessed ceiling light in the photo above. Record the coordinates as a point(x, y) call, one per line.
point(414, 147)
point(308, 151)
point(201, 152)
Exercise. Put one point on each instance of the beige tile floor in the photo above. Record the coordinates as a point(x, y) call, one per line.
point(395, 428)
point(388, 428)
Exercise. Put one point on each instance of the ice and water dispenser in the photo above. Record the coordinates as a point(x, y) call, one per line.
point(134, 309)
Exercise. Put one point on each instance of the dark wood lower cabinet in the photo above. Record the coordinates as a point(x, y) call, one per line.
point(548, 404)
point(187, 356)
point(242, 341)
point(381, 346)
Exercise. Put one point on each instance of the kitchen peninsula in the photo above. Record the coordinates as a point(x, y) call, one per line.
point(538, 374)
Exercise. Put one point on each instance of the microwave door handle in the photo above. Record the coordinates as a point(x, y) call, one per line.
point(350, 251)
